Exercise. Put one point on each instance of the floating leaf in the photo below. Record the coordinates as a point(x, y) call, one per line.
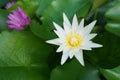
point(113, 12)
point(22, 48)
point(74, 71)
point(113, 28)
point(21, 73)
point(3, 18)
point(108, 56)
point(4, 2)
point(111, 74)
point(23, 56)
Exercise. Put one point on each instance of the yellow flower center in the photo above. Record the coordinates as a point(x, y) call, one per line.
point(74, 40)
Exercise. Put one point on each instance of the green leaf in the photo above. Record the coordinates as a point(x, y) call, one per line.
point(74, 71)
point(23, 56)
point(112, 15)
point(54, 13)
point(85, 9)
point(113, 28)
point(36, 29)
point(3, 18)
point(108, 56)
point(29, 6)
point(98, 3)
point(4, 2)
point(113, 12)
point(21, 73)
point(22, 48)
point(43, 5)
point(111, 74)
point(55, 10)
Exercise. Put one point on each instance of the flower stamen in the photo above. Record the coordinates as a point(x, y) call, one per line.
point(74, 40)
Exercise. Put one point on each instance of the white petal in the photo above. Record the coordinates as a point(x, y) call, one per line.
point(71, 54)
point(54, 41)
point(95, 45)
point(59, 31)
point(86, 47)
point(66, 50)
point(89, 27)
point(61, 48)
point(79, 57)
point(60, 34)
point(90, 36)
point(80, 30)
point(74, 23)
point(65, 55)
point(58, 28)
point(64, 58)
point(81, 25)
point(67, 28)
point(66, 20)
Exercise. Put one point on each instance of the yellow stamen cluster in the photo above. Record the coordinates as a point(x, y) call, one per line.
point(74, 40)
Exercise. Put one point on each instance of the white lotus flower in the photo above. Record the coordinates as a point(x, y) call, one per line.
point(73, 39)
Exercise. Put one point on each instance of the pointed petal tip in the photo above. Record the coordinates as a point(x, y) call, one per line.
point(64, 58)
point(50, 41)
point(95, 45)
point(71, 57)
point(57, 27)
point(90, 26)
point(75, 17)
point(83, 64)
point(74, 22)
point(79, 57)
point(71, 54)
point(64, 14)
point(47, 41)
point(60, 49)
point(61, 63)
point(55, 31)
point(54, 41)
point(20, 9)
point(81, 24)
point(54, 23)
point(100, 45)
point(57, 51)
point(82, 19)
point(66, 20)
point(94, 22)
